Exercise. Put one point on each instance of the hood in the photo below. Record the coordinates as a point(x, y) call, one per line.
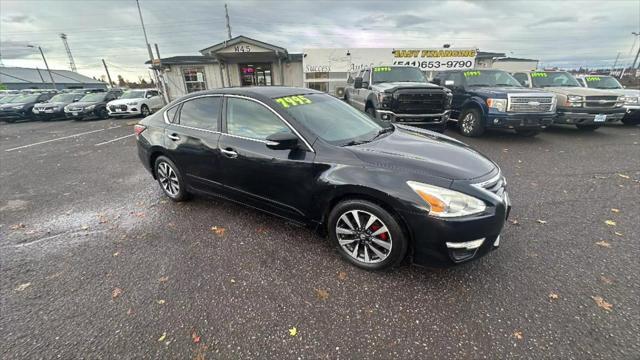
point(503, 90)
point(49, 104)
point(576, 90)
point(84, 104)
point(426, 152)
point(10, 105)
point(393, 86)
point(625, 92)
point(125, 101)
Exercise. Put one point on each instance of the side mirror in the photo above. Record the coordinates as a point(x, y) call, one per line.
point(436, 81)
point(449, 83)
point(282, 141)
point(149, 96)
point(357, 83)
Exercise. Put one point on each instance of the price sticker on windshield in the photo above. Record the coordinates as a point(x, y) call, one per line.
point(382, 69)
point(289, 101)
point(538, 74)
point(592, 78)
point(471, 73)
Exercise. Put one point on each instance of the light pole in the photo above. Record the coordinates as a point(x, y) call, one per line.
point(637, 53)
point(53, 83)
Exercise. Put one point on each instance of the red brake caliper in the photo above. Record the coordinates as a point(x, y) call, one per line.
point(382, 236)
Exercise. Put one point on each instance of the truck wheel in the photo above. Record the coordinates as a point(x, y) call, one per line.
point(628, 119)
point(527, 133)
point(588, 127)
point(371, 112)
point(470, 123)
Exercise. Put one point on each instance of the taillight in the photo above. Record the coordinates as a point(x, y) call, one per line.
point(138, 129)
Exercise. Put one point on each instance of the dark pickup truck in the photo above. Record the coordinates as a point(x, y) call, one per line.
point(494, 99)
point(400, 94)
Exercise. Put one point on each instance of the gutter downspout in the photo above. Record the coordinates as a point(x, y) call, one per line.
point(281, 69)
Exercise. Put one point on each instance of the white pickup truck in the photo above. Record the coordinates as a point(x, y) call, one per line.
point(136, 102)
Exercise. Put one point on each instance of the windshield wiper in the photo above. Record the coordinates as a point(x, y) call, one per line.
point(356, 142)
point(383, 131)
point(505, 85)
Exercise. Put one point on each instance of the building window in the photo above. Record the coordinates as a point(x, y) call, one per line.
point(194, 79)
point(320, 86)
point(316, 75)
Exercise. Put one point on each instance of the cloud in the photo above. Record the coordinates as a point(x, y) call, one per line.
point(16, 50)
point(554, 20)
point(18, 19)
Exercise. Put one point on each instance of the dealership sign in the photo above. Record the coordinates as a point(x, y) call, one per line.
point(348, 60)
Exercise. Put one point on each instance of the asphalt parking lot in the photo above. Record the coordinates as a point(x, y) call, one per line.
point(96, 263)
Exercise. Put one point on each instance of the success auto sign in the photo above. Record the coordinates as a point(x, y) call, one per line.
point(349, 60)
point(436, 59)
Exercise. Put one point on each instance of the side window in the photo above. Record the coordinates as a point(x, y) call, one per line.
point(201, 113)
point(581, 82)
point(457, 77)
point(365, 76)
point(171, 114)
point(522, 78)
point(152, 93)
point(249, 119)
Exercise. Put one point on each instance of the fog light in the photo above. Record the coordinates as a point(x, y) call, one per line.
point(495, 121)
point(497, 242)
point(385, 116)
point(468, 245)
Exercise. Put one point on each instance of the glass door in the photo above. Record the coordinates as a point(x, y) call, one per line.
point(255, 74)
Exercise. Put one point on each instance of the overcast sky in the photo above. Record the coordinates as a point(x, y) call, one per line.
point(563, 33)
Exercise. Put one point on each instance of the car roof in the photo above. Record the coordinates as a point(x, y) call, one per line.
point(260, 91)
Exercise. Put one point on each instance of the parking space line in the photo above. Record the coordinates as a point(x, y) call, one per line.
point(116, 139)
point(62, 138)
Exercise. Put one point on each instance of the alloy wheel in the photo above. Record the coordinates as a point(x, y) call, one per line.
point(145, 111)
point(468, 123)
point(363, 236)
point(168, 179)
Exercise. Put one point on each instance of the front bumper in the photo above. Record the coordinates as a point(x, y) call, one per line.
point(443, 243)
point(588, 116)
point(520, 120)
point(131, 110)
point(13, 114)
point(80, 115)
point(48, 114)
point(413, 119)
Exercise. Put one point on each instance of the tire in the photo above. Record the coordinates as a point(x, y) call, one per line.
point(169, 177)
point(371, 111)
point(144, 111)
point(628, 119)
point(384, 250)
point(588, 127)
point(470, 123)
point(103, 114)
point(527, 133)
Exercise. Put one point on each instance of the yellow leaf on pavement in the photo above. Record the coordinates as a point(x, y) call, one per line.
point(342, 275)
point(22, 287)
point(322, 294)
point(553, 296)
point(614, 210)
point(164, 336)
point(219, 230)
point(610, 223)
point(617, 233)
point(624, 176)
point(541, 221)
point(160, 302)
point(116, 292)
point(603, 243)
point(518, 335)
point(602, 303)
point(293, 331)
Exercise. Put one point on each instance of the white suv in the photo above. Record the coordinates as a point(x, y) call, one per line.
point(136, 102)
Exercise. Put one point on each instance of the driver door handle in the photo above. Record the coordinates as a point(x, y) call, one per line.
point(228, 152)
point(173, 137)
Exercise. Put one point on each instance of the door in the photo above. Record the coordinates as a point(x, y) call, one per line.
point(192, 140)
point(361, 94)
point(154, 100)
point(277, 181)
point(459, 93)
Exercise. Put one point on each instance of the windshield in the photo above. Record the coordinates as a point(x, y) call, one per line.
point(137, 94)
point(7, 99)
point(553, 79)
point(64, 98)
point(383, 74)
point(602, 82)
point(490, 78)
point(23, 99)
point(93, 97)
point(331, 119)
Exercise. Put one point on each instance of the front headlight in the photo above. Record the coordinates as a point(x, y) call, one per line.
point(498, 104)
point(449, 95)
point(631, 100)
point(384, 100)
point(89, 108)
point(17, 107)
point(574, 100)
point(446, 203)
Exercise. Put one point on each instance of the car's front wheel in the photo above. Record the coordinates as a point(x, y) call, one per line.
point(103, 113)
point(470, 123)
point(170, 179)
point(367, 235)
point(144, 111)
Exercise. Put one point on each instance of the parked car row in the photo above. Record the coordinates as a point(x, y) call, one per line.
point(527, 102)
point(80, 104)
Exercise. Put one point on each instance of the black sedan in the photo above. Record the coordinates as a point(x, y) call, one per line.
point(381, 194)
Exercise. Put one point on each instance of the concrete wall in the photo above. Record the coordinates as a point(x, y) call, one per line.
point(293, 75)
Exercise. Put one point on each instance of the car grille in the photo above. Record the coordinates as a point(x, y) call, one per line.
point(532, 104)
point(416, 101)
point(112, 108)
point(495, 185)
point(600, 101)
point(75, 109)
point(123, 107)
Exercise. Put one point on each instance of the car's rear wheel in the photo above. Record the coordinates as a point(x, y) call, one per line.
point(144, 111)
point(367, 235)
point(527, 133)
point(470, 123)
point(170, 179)
point(588, 127)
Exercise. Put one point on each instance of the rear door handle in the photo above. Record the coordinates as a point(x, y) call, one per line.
point(173, 137)
point(228, 152)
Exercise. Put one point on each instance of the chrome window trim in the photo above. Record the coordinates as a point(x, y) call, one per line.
point(307, 144)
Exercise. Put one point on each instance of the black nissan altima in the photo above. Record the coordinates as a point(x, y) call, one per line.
point(380, 193)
